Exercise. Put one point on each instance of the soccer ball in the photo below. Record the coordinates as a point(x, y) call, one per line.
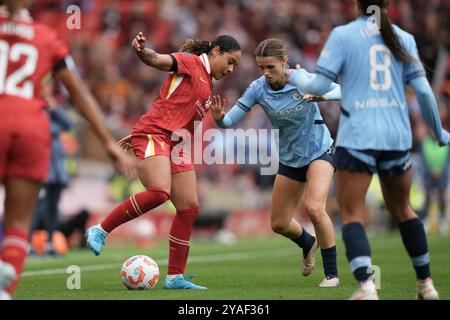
point(140, 273)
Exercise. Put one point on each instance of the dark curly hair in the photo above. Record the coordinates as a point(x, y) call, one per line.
point(195, 46)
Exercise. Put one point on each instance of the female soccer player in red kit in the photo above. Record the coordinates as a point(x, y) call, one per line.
point(184, 98)
point(28, 52)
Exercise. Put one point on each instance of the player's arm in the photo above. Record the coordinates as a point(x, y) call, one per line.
point(334, 93)
point(233, 116)
point(90, 110)
point(317, 85)
point(305, 82)
point(149, 56)
point(416, 77)
point(429, 108)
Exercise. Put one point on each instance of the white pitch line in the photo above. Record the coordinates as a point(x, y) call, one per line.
point(194, 259)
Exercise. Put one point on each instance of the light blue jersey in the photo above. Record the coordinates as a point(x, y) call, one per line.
point(374, 109)
point(303, 136)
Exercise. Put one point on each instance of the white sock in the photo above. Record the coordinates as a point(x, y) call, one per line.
point(172, 276)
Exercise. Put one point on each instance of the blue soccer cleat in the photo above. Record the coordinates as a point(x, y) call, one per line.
point(180, 282)
point(95, 239)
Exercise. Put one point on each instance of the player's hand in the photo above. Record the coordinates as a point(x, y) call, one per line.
point(312, 98)
point(218, 108)
point(138, 43)
point(125, 143)
point(123, 161)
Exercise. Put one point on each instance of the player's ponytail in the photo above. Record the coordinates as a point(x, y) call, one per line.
point(195, 46)
point(225, 43)
point(387, 31)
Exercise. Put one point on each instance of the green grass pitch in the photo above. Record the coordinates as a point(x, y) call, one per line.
point(253, 268)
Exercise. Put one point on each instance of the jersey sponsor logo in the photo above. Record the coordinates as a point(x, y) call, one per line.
point(379, 103)
point(201, 79)
point(290, 113)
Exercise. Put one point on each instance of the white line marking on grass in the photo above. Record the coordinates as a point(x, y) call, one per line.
point(247, 255)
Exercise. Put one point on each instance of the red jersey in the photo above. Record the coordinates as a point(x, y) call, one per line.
point(184, 98)
point(28, 52)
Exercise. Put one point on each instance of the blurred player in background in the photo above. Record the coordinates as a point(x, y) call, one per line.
point(46, 212)
point(185, 98)
point(305, 148)
point(435, 173)
point(28, 52)
point(375, 61)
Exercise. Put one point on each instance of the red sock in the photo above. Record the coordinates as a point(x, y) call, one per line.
point(134, 207)
point(14, 251)
point(179, 236)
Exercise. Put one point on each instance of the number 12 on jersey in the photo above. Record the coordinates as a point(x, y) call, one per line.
point(10, 85)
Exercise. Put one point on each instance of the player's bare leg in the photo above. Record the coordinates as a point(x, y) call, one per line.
point(396, 196)
point(184, 197)
point(20, 200)
point(285, 198)
point(319, 178)
point(155, 172)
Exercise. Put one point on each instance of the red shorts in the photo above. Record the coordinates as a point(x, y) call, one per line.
point(25, 146)
point(160, 144)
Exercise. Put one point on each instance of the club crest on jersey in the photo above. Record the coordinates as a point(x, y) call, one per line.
point(296, 95)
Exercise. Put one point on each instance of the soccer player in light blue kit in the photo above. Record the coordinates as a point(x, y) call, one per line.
point(305, 146)
point(374, 61)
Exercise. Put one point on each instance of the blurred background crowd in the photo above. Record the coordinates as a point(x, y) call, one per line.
point(126, 88)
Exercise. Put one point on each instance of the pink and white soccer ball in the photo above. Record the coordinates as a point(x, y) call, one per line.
point(140, 273)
